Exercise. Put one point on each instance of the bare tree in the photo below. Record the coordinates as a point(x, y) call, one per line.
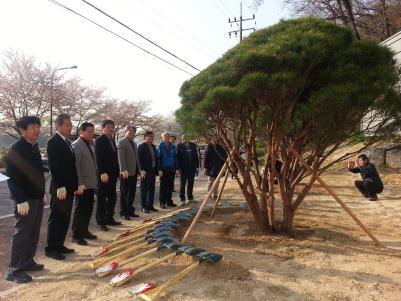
point(124, 112)
point(82, 103)
point(25, 89)
point(372, 19)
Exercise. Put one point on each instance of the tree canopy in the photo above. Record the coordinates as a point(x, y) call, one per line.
point(305, 83)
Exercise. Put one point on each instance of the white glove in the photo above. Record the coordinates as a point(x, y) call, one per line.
point(143, 174)
point(81, 189)
point(124, 173)
point(61, 193)
point(23, 208)
point(160, 174)
point(104, 177)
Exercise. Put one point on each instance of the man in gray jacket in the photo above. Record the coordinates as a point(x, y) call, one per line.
point(85, 163)
point(129, 170)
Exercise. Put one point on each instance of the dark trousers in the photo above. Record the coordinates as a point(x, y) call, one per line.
point(26, 235)
point(127, 195)
point(106, 200)
point(148, 189)
point(59, 219)
point(166, 186)
point(187, 181)
point(367, 188)
point(83, 212)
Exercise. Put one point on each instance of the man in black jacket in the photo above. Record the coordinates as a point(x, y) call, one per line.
point(27, 187)
point(108, 169)
point(148, 161)
point(63, 185)
point(188, 162)
point(215, 157)
point(371, 183)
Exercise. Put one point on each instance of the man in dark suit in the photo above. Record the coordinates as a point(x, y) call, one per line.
point(63, 185)
point(27, 186)
point(188, 162)
point(148, 160)
point(108, 169)
point(85, 164)
point(215, 157)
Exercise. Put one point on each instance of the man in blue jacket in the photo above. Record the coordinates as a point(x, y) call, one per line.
point(371, 183)
point(167, 157)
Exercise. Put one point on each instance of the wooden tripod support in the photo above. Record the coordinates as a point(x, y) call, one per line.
point(335, 196)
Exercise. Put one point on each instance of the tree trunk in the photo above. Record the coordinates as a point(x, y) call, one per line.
point(387, 27)
point(350, 14)
point(288, 217)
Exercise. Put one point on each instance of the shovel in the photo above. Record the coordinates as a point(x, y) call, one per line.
point(126, 276)
point(158, 218)
point(150, 242)
point(107, 269)
point(130, 241)
point(112, 246)
point(150, 223)
point(155, 294)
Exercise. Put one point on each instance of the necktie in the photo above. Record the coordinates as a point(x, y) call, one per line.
point(69, 144)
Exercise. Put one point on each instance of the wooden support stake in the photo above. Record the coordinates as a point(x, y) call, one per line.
point(219, 196)
point(199, 213)
point(335, 196)
point(159, 290)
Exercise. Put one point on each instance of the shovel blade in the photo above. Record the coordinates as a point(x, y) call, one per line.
point(121, 277)
point(141, 288)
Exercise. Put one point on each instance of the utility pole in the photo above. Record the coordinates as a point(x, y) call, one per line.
point(241, 29)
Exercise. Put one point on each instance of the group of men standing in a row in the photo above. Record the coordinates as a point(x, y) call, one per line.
point(79, 170)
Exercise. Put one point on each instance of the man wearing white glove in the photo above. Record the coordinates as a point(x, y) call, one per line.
point(108, 169)
point(85, 164)
point(27, 186)
point(63, 185)
point(130, 168)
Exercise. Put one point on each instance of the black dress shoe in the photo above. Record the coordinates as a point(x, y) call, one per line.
point(79, 241)
point(18, 277)
point(112, 222)
point(103, 227)
point(134, 215)
point(125, 217)
point(33, 267)
point(55, 255)
point(144, 210)
point(65, 250)
point(89, 235)
point(153, 209)
point(171, 204)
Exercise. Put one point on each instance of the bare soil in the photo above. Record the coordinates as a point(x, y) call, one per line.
point(329, 257)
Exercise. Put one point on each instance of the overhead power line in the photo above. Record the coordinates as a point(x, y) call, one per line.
point(190, 43)
point(219, 8)
point(226, 8)
point(119, 36)
point(180, 27)
point(139, 34)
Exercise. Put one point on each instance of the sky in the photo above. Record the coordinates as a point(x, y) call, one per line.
point(194, 30)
